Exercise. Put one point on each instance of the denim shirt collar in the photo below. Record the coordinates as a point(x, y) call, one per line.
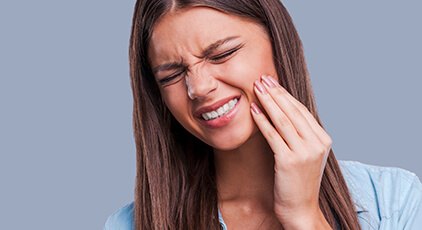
point(359, 206)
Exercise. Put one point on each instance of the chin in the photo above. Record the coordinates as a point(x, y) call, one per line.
point(231, 141)
point(226, 146)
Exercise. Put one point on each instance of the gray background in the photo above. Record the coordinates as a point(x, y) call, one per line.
point(67, 156)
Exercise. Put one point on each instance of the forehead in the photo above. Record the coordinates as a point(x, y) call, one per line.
point(189, 30)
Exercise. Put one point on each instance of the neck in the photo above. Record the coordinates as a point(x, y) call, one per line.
point(245, 175)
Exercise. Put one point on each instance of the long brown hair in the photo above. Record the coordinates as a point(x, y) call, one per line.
point(175, 175)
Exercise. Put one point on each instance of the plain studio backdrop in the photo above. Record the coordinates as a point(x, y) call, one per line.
point(67, 155)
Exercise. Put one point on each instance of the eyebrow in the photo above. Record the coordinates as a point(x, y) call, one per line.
point(206, 52)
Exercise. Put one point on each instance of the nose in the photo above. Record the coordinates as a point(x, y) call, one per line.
point(200, 84)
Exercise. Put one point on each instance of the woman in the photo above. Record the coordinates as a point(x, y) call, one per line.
point(227, 132)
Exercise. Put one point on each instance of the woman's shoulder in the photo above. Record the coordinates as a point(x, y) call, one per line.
point(384, 195)
point(362, 172)
point(121, 219)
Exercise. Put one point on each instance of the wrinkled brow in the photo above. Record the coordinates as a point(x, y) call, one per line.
point(205, 53)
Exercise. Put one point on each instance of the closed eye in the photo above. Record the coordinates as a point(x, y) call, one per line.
point(220, 57)
point(214, 59)
point(170, 78)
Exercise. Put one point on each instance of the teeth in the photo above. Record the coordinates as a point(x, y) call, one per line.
point(220, 111)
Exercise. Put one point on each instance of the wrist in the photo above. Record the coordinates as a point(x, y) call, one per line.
point(305, 221)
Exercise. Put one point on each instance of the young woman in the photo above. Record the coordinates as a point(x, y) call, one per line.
point(227, 131)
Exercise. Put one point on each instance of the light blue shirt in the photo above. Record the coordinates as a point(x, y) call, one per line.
point(386, 198)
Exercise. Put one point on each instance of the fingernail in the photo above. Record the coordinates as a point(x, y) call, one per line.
point(274, 81)
point(260, 87)
point(267, 81)
point(255, 108)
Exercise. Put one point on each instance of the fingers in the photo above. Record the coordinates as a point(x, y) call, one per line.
point(281, 122)
point(271, 135)
point(292, 120)
point(280, 96)
point(312, 122)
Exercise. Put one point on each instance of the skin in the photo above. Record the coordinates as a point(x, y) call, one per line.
point(268, 174)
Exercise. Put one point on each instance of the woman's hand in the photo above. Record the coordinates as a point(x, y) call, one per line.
point(301, 147)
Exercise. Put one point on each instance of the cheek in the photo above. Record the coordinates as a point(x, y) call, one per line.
point(176, 103)
point(261, 60)
point(244, 69)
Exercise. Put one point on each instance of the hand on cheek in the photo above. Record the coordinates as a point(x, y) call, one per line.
point(300, 146)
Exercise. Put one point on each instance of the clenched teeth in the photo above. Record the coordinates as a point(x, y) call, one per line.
point(220, 111)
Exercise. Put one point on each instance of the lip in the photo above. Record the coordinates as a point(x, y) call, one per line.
point(198, 113)
point(223, 120)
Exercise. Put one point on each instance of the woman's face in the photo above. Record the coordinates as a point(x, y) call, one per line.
point(202, 57)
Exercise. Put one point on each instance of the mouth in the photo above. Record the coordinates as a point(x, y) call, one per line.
point(221, 111)
point(223, 116)
point(218, 109)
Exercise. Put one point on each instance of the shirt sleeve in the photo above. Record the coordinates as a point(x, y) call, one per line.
point(122, 219)
point(117, 223)
point(411, 215)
